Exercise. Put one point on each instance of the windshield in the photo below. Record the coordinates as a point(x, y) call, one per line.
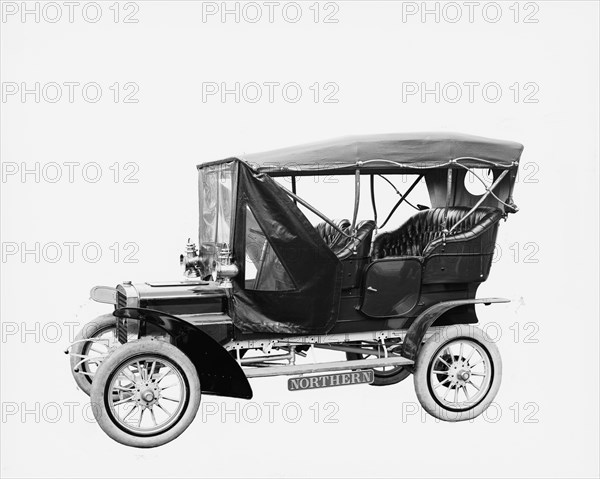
point(215, 204)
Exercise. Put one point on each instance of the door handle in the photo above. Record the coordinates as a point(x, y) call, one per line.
point(370, 288)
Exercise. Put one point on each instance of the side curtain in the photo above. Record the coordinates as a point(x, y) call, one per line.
point(310, 302)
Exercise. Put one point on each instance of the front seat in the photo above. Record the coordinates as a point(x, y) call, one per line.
point(329, 234)
point(354, 254)
point(360, 246)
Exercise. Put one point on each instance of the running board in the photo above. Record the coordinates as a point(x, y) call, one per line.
point(322, 367)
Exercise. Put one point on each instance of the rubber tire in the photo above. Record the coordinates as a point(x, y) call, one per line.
point(380, 380)
point(125, 352)
point(91, 330)
point(428, 352)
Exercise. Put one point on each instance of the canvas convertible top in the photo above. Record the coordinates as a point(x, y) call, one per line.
point(387, 153)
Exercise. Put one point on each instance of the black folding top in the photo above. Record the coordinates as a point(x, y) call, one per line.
point(387, 153)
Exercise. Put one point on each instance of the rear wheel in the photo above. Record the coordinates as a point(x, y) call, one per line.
point(457, 373)
point(146, 393)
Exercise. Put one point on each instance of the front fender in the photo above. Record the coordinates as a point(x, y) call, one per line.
point(219, 372)
point(417, 330)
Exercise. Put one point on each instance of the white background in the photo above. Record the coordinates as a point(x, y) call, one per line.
point(545, 422)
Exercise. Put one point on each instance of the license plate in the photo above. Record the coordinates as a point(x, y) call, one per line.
point(365, 376)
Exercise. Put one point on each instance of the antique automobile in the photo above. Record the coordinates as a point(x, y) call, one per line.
point(265, 289)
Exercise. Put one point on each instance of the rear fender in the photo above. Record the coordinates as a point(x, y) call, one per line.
point(417, 330)
point(219, 372)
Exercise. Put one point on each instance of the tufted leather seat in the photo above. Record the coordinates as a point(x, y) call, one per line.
point(346, 247)
point(329, 234)
point(352, 252)
point(421, 234)
point(343, 246)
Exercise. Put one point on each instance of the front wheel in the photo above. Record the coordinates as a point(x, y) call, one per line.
point(91, 346)
point(146, 393)
point(457, 373)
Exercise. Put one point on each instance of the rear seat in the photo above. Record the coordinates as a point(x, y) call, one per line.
point(464, 256)
point(422, 233)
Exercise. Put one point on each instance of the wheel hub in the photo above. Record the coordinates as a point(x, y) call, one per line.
point(147, 393)
point(459, 372)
